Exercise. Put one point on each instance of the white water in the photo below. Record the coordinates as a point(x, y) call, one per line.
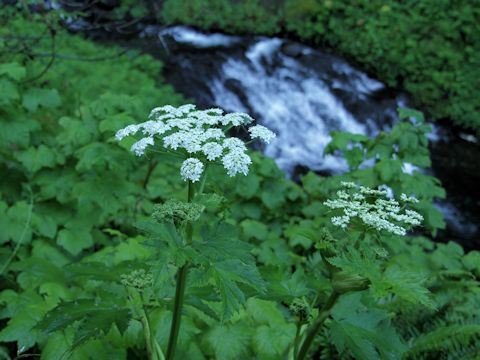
point(298, 103)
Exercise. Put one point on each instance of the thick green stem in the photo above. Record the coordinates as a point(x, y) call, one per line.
point(151, 353)
point(180, 290)
point(297, 340)
point(317, 324)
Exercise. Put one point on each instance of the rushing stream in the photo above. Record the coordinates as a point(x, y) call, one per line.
point(302, 94)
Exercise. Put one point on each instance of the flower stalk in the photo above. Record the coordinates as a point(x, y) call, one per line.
point(317, 324)
point(180, 288)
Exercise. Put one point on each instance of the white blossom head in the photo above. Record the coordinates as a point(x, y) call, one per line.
point(191, 169)
point(262, 133)
point(373, 208)
point(200, 135)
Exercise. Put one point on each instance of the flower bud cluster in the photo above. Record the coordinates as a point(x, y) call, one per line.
point(373, 208)
point(138, 279)
point(301, 309)
point(201, 133)
point(177, 211)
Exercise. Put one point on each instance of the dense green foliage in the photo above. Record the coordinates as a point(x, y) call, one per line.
point(79, 279)
point(428, 48)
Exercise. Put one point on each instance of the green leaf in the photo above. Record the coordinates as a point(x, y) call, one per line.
point(9, 92)
point(254, 229)
point(75, 240)
point(96, 319)
point(14, 70)
point(271, 342)
point(247, 186)
point(442, 336)
point(219, 242)
point(228, 342)
point(226, 275)
point(364, 330)
point(35, 159)
point(405, 113)
point(405, 284)
point(14, 222)
point(35, 97)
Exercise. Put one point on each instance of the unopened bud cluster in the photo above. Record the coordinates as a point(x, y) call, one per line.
point(138, 279)
point(300, 309)
point(177, 211)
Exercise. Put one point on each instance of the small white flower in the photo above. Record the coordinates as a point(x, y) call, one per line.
point(139, 147)
point(373, 208)
point(234, 144)
point(129, 130)
point(191, 169)
point(152, 128)
point(199, 133)
point(349, 184)
point(408, 199)
point(236, 162)
point(212, 150)
point(262, 133)
point(236, 119)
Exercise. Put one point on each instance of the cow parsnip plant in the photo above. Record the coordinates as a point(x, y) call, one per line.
point(79, 281)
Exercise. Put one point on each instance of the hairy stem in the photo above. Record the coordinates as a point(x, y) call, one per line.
point(180, 289)
point(317, 324)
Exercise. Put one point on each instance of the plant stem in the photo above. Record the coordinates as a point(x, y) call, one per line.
point(313, 330)
point(297, 340)
point(148, 337)
point(180, 289)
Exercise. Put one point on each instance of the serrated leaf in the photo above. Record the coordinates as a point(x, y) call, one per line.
point(37, 158)
point(9, 92)
point(271, 342)
point(226, 275)
point(35, 97)
point(75, 240)
point(219, 242)
point(365, 330)
point(228, 342)
point(96, 319)
point(14, 70)
point(405, 113)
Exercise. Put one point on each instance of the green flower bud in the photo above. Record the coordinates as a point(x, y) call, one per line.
point(301, 309)
point(177, 211)
point(343, 282)
point(138, 279)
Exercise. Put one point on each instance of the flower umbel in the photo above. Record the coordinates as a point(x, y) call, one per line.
point(191, 169)
point(199, 133)
point(373, 208)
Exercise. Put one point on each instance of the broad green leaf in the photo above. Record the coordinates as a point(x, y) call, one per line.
point(92, 313)
point(9, 92)
point(405, 113)
point(228, 342)
point(14, 70)
point(35, 97)
point(254, 229)
point(75, 240)
point(35, 159)
point(271, 342)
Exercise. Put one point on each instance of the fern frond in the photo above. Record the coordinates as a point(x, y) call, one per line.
point(444, 337)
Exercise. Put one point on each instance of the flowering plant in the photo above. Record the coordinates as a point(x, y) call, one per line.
point(200, 138)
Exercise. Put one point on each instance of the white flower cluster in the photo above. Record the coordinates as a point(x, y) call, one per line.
point(200, 133)
point(373, 208)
